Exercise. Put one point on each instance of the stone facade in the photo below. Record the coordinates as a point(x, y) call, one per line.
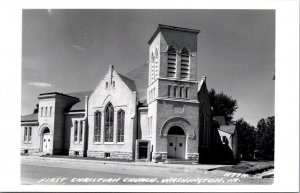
point(193, 157)
point(133, 116)
point(111, 155)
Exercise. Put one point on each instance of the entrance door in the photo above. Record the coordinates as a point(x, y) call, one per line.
point(176, 147)
point(176, 143)
point(180, 147)
point(171, 147)
point(46, 142)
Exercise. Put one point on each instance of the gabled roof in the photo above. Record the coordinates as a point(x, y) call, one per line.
point(227, 128)
point(81, 104)
point(129, 82)
point(28, 118)
point(220, 120)
point(140, 77)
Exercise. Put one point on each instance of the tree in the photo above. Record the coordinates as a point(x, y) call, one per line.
point(265, 138)
point(223, 105)
point(246, 139)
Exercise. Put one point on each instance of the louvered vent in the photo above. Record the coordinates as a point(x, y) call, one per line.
point(171, 62)
point(185, 64)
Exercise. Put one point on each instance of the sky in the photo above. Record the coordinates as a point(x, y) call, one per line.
point(70, 51)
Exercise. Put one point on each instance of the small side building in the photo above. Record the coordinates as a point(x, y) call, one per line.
point(228, 136)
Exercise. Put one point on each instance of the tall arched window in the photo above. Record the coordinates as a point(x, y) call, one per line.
point(184, 64)
point(109, 123)
point(25, 134)
point(29, 134)
point(80, 131)
point(97, 128)
point(121, 120)
point(171, 70)
point(75, 131)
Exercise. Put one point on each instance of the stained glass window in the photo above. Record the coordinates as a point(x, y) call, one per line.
point(80, 131)
point(121, 119)
point(75, 131)
point(25, 134)
point(97, 131)
point(109, 123)
point(29, 135)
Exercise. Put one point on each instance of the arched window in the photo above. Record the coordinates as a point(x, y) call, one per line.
point(184, 64)
point(97, 128)
point(80, 131)
point(121, 120)
point(25, 134)
point(75, 131)
point(171, 70)
point(109, 123)
point(29, 134)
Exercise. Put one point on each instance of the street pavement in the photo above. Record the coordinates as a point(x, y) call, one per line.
point(60, 171)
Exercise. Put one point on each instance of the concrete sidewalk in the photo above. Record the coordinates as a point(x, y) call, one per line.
point(63, 159)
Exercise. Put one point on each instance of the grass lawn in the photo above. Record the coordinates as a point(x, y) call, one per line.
point(249, 167)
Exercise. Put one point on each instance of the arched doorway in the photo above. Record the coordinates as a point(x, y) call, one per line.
point(46, 140)
point(176, 143)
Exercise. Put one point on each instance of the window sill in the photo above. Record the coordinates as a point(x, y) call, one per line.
point(109, 143)
point(120, 143)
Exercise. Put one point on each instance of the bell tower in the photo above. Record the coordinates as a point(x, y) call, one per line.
point(172, 84)
point(172, 63)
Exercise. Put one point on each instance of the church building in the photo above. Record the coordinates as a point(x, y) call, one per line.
point(158, 111)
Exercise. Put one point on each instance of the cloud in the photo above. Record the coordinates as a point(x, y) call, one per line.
point(39, 84)
point(78, 47)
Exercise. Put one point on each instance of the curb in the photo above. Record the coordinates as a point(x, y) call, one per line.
point(149, 164)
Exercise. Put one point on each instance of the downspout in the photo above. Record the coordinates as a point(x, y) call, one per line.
point(85, 143)
point(136, 126)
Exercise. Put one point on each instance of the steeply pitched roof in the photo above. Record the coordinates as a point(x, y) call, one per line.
point(81, 104)
point(228, 128)
point(140, 77)
point(220, 120)
point(202, 82)
point(31, 117)
point(129, 82)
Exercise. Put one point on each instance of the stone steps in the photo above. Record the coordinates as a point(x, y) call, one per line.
point(38, 153)
point(178, 161)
